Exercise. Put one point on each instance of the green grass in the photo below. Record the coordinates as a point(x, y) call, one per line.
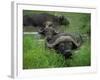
point(35, 55)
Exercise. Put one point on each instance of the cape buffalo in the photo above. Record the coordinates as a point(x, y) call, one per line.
point(63, 43)
point(38, 20)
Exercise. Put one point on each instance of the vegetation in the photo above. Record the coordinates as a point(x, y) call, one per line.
point(35, 55)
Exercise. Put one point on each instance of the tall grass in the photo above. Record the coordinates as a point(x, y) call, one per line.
point(37, 56)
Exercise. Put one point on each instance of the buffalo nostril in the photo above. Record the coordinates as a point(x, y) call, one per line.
point(67, 54)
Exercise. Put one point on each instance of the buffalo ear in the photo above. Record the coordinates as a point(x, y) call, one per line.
point(41, 31)
point(55, 32)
